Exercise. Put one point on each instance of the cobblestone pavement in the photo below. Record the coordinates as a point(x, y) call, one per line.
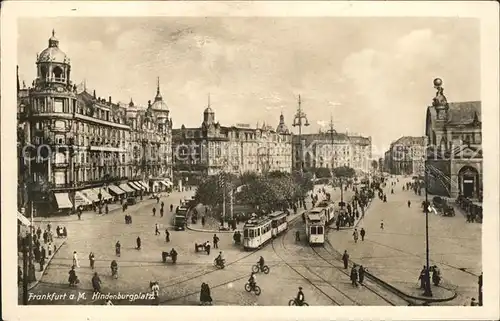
point(292, 265)
point(396, 253)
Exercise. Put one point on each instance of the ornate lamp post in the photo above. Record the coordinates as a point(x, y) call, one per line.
point(300, 119)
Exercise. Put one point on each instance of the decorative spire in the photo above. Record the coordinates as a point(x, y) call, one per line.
point(300, 103)
point(53, 42)
point(131, 104)
point(158, 95)
point(17, 76)
point(94, 95)
point(208, 100)
point(84, 84)
point(53, 32)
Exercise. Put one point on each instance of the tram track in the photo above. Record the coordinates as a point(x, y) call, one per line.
point(289, 265)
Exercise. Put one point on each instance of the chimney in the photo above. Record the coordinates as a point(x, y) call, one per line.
point(109, 100)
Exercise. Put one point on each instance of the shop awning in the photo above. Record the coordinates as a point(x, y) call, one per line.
point(81, 200)
point(133, 186)
point(126, 188)
point(63, 200)
point(24, 221)
point(90, 195)
point(139, 186)
point(115, 189)
point(146, 186)
point(165, 183)
point(105, 195)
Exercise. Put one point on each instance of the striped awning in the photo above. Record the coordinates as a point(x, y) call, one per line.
point(105, 195)
point(90, 195)
point(133, 186)
point(139, 185)
point(81, 200)
point(146, 186)
point(164, 183)
point(63, 200)
point(115, 189)
point(23, 219)
point(126, 188)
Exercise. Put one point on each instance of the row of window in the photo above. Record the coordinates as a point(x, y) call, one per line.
point(316, 230)
point(258, 231)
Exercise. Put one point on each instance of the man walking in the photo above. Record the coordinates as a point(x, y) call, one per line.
point(157, 229)
point(355, 235)
point(345, 259)
point(362, 233)
point(216, 241)
point(167, 236)
point(75, 259)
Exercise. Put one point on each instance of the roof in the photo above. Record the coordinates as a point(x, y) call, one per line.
point(463, 113)
point(324, 204)
point(276, 214)
point(410, 140)
point(256, 221)
point(314, 217)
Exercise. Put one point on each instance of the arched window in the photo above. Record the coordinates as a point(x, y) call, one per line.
point(58, 73)
point(43, 72)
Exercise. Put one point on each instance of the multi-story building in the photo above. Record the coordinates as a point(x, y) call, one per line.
point(454, 152)
point(83, 147)
point(407, 156)
point(330, 151)
point(212, 147)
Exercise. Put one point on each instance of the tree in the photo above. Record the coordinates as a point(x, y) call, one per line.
point(323, 172)
point(211, 189)
point(344, 172)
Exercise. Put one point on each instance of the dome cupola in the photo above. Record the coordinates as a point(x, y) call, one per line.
point(53, 53)
point(159, 104)
point(282, 129)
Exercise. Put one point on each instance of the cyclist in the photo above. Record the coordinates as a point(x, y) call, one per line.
point(300, 297)
point(252, 280)
point(261, 263)
point(220, 259)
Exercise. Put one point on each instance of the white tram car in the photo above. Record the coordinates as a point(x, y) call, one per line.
point(315, 226)
point(330, 211)
point(256, 233)
point(279, 223)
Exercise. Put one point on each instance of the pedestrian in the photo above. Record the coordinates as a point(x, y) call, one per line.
point(207, 247)
point(106, 209)
point(157, 229)
point(422, 278)
point(167, 236)
point(42, 263)
point(138, 241)
point(96, 283)
point(337, 223)
point(75, 259)
point(355, 235)
point(216, 241)
point(91, 260)
point(297, 236)
point(65, 232)
point(162, 204)
point(362, 233)
point(354, 276)
point(154, 211)
point(409, 204)
point(381, 225)
point(79, 214)
point(361, 274)
point(161, 212)
point(345, 259)
point(203, 221)
point(171, 207)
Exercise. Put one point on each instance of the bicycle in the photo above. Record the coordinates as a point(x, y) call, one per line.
point(295, 303)
point(255, 288)
point(256, 268)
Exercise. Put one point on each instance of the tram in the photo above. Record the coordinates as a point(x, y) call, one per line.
point(315, 226)
point(279, 223)
point(256, 233)
point(329, 210)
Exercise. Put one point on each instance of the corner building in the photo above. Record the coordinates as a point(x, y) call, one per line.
point(211, 148)
point(454, 151)
point(406, 156)
point(324, 150)
point(85, 149)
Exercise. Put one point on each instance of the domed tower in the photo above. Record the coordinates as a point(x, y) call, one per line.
point(132, 114)
point(208, 115)
point(53, 66)
point(160, 110)
point(282, 129)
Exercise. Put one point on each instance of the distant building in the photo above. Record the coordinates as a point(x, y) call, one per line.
point(454, 152)
point(406, 156)
point(331, 151)
point(212, 148)
point(86, 146)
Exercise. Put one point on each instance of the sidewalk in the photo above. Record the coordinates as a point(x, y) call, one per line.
point(58, 242)
point(74, 217)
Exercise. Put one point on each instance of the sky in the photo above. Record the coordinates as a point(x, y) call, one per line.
point(373, 76)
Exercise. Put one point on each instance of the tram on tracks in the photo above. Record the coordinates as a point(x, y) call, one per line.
point(315, 226)
point(329, 210)
point(279, 223)
point(256, 233)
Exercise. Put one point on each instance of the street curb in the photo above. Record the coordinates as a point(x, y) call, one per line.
point(50, 219)
point(423, 299)
point(35, 283)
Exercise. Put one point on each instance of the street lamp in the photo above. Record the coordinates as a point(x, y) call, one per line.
point(300, 119)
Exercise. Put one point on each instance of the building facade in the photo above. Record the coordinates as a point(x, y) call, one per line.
point(454, 152)
point(80, 142)
point(324, 150)
point(406, 156)
point(211, 148)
